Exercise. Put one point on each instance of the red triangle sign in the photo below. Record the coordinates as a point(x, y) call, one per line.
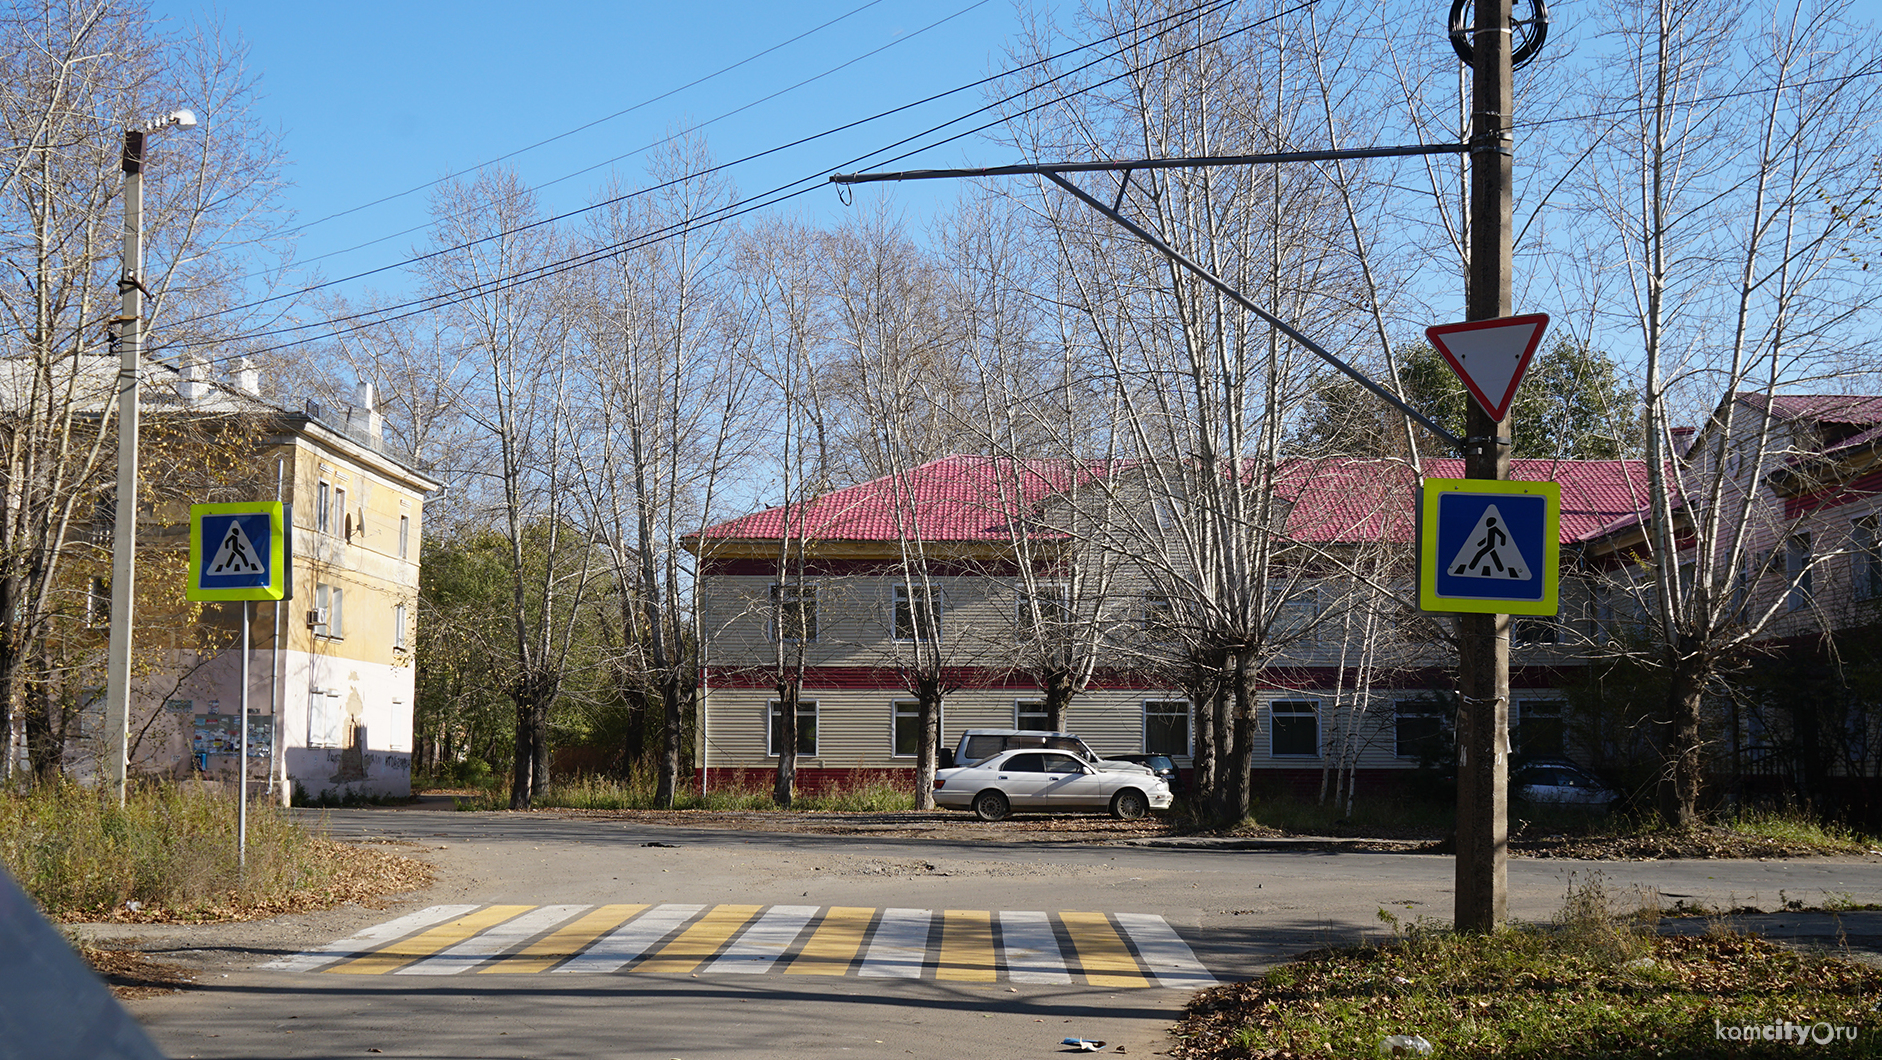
point(1490, 356)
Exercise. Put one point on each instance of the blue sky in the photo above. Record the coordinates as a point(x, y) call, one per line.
point(376, 99)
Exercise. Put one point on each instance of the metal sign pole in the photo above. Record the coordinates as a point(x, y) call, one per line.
point(241, 827)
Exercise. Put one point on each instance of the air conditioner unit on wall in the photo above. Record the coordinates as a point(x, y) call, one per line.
point(317, 617)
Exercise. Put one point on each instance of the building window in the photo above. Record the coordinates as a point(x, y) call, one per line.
point(98, 603)
point(323, 717)
point(907, 719)
point(1797, 570)
point(806, 729)
point(1417, 728)
point(1294, 728)
point(1297, 618)
point(323, 508)
point(1539, 729)
point(1030, 714)
point(405, 537)
point(1049, 603)
point(1540, 629)
point(1866, 545)
point(920, 620)
point(1166, 726)
point(1159, 617)
point(794, 611)
point(329, 611)
point(342, 521)
point(398, 627)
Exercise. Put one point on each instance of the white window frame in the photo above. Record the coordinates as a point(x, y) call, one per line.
point(1020, 712)
point(1159, 628)
point(405, 537)
point(899, 603)
point(1318, 736)
point(343, 520)
point(1865, 547)
point(1430, 710)
point(805, 593)
point(324, 717)
point(323, 507)
point(398, 627)
point(1559, 715)
point(1054, 600)
point(332, 600)
point(804, 706)
point(1798, 572)
point(906, 707)
point(1189, 726)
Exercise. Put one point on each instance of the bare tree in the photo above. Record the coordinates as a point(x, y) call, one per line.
point(488, 231)
point(669, 380)
point(78, 74)
point(1732, 134)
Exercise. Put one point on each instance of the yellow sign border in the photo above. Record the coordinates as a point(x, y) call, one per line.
point(1551, 567)
point(278, 574)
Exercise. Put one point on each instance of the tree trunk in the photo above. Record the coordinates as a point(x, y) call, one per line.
point(1202, 698)
point(524, 760)
point(928, 694)
point(1681, 767)
point(785, 786)
point(1242, 760)
point(670, 701)
point(1058, 689)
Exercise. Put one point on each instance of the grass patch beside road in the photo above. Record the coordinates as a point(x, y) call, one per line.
point(884, 793)
point(169, 853)
point(1590, 984)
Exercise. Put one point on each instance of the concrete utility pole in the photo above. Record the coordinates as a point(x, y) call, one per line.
point(1483, 664)
point(130, 342)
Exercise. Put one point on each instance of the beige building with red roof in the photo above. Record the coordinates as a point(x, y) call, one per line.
point(971, 539)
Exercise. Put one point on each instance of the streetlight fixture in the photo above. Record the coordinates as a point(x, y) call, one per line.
point(128, 336)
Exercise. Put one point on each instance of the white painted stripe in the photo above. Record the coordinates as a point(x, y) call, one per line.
point(371, 938)
point(900, 945)
point(488, 943)
point(765, 941)
point(1163, 952)
point(630, 940)
point(1030, 949)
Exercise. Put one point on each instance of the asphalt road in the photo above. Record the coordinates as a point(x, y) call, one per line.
point(1239, 911)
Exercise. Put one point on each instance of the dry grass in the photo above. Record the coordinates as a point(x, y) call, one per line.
point(169, 854)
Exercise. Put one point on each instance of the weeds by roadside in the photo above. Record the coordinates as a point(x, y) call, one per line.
point(1597, 981)
point(886, 792)
point(169, 853)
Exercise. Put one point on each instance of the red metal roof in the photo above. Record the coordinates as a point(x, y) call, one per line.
point(1346, 499)
point(955, 498)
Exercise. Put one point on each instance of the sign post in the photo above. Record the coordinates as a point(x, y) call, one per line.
point(241, 552)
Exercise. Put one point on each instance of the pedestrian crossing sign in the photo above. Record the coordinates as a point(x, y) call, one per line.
point(239, 552)
point(1489, 546)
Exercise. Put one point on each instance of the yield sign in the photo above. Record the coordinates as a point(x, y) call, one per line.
point(1490, 356)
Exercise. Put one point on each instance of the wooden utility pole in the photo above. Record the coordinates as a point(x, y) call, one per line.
point(1483, 663)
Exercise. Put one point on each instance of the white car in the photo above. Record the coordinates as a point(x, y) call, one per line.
point(1034, 779)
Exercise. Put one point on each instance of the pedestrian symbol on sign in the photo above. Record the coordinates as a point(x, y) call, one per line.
point(236, 553)
point(1488, 551)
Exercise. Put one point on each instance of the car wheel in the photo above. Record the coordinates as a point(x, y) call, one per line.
point(990, 805)
point(1129, 805)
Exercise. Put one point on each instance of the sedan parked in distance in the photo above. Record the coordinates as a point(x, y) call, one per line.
point(1559, 782)
point(1026, 779)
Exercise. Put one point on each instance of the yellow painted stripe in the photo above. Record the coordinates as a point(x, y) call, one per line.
point(1102, 955)
point(567, 941)
point(833, 947)
point(405, 951)
point(698, 943)
point(967, 947)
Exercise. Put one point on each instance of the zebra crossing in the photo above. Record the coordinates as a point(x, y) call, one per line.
point(1114, 950)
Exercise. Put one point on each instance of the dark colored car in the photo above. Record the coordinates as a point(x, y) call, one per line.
point(1162, 765)
point(1559, 782)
